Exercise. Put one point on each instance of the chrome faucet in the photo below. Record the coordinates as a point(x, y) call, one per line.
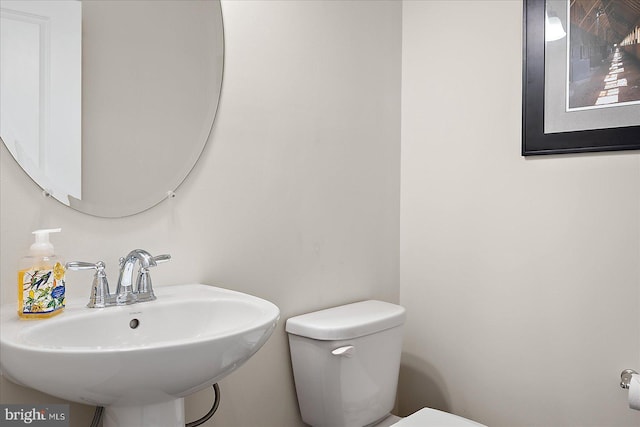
point(125, 291)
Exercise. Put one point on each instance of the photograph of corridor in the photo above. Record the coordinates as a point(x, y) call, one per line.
point(604, 54)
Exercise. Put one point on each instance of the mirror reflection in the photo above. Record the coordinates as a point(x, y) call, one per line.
point(107, 105)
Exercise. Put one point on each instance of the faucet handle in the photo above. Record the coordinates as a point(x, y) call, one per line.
point(100, 296)
point(159, 259)
point(144, 286)
point(81, 265)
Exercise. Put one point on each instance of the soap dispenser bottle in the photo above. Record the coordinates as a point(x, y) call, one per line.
point(41, 284)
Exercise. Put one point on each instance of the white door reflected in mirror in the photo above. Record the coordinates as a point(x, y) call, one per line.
point(41, 96)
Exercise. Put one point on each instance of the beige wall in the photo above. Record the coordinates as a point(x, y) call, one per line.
point(294, 200)
point(520, 276)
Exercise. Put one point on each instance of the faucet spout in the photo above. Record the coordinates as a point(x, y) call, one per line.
point(125, 294)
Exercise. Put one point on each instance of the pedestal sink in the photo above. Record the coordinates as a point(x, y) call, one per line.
point(138, 361)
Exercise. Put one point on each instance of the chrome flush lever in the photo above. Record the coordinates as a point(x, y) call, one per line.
point(345, 351)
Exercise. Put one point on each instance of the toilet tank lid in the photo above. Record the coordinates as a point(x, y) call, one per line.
point(347, 321)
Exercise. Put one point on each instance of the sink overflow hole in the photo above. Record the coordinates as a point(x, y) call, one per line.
point(134, 323)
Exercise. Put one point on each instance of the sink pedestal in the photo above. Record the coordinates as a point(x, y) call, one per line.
point(166, 414)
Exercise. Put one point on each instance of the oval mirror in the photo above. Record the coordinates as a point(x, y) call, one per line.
point(107, 105)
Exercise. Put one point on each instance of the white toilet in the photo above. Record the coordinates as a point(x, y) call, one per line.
point(346, 361)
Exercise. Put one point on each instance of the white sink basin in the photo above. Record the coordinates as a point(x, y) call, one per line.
point(139, 355)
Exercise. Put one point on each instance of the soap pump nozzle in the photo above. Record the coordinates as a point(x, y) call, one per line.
point(42, 245)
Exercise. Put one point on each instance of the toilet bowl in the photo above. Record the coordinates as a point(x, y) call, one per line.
point(427, 417)
point(346, 361)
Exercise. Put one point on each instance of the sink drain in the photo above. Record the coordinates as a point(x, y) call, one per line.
point(134, 323)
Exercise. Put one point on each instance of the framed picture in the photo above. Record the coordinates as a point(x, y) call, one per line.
point(581, 76)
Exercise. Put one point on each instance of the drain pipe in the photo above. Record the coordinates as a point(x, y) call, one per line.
point(97, 416)
point(214, 408)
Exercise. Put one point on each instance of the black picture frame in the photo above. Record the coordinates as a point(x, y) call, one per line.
point(534, 140)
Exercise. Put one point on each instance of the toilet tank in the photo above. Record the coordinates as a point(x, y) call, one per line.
point(346, 361)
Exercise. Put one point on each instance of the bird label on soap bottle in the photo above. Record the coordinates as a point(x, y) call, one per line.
point(42, 291)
